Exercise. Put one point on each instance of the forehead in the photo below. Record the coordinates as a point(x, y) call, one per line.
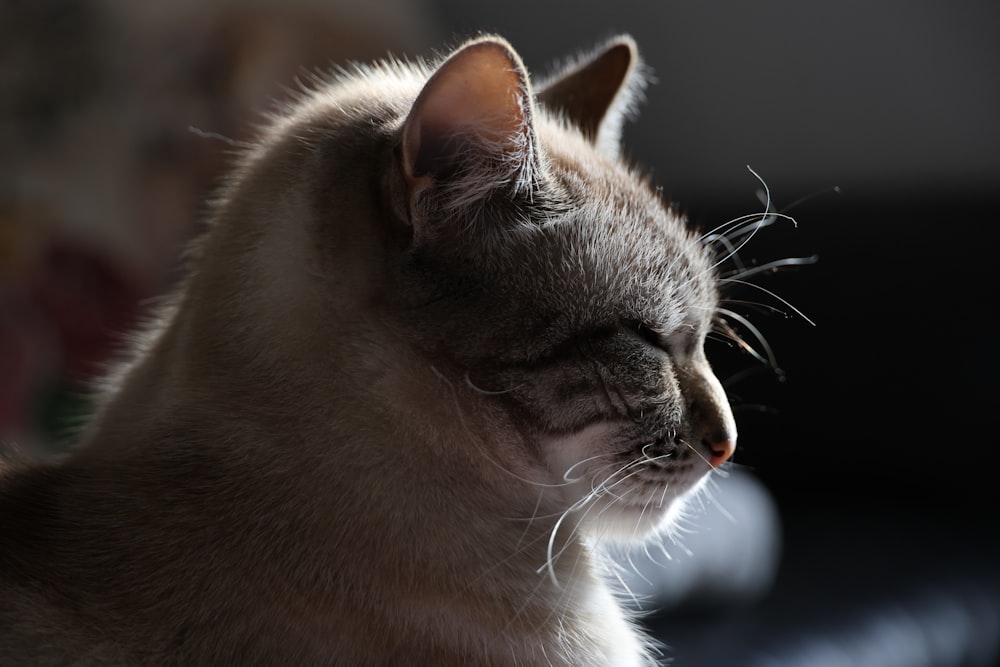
point(608, 202)
point(613, 252)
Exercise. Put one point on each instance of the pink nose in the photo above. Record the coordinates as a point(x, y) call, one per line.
point(721, 450)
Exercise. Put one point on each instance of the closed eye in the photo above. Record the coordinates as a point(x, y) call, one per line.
point(645, 332)
point(634, 329)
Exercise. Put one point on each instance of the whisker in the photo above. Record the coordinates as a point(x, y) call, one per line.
point(550, 560)
point(635, 528)
point(594, 486)
point(755, 305)
point(566, 475)
point(625, 587)
point(740, 376)
point(527, 527)
point(722, 229)
point(712, 469)
point(735, 234)
point(718, 503)
point(663, 496)
point(747, 237)
point(649, 458)
point(812, 195)
point(645, 550)
point(769, 267)
point(775, 296)
point(480, 390)
point(628, 557)
point(596, 492)
point(527, 600)
point(722, 337)
point(732, 335)
point(725, 241)
point(634, 464)
point(738, 226)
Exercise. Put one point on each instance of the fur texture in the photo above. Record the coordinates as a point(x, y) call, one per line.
point(438, 343)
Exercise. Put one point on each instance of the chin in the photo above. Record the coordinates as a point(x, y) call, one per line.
point(632, 507)
point(638, 515)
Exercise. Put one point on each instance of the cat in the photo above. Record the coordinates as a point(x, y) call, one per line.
point(437, 345)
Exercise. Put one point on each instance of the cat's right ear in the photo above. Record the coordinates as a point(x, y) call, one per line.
point(599, 92)
point(468, 136)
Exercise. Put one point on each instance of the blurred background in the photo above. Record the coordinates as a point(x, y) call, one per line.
point(859, 523)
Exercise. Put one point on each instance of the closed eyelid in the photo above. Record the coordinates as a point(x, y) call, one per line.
point(644, 331)
point(680, 344)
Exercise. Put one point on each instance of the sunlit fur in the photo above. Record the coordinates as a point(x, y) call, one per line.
point(391, 415)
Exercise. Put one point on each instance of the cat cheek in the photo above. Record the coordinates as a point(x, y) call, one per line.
point(573, 458)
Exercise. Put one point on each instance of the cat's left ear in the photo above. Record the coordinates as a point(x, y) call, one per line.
point(599, 92)
point(468, 137)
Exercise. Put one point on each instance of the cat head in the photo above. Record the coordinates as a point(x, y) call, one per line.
point(555, 278)
point(457, 222)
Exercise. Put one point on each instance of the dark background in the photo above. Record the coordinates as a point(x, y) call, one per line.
point(878, 439)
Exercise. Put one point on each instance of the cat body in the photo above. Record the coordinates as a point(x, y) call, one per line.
point(437, 344)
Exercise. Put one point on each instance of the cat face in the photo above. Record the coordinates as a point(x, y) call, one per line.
point(559, 283)
point(491, 233)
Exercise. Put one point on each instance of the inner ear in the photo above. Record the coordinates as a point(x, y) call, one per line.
point(589, 92)
point(471, 116)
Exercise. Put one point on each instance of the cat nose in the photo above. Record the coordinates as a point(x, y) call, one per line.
point(720, 447)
